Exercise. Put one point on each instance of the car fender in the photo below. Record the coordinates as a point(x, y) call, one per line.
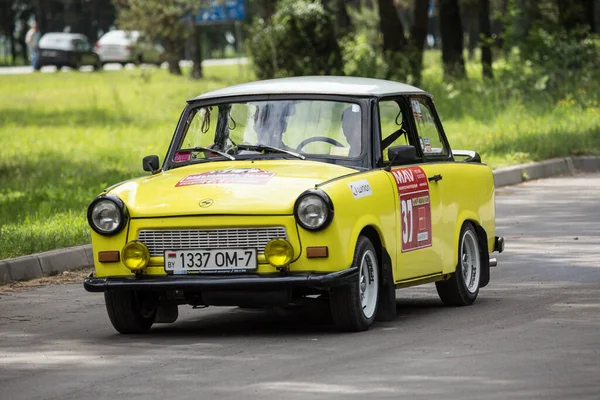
point(464, 215)
point(358, 206)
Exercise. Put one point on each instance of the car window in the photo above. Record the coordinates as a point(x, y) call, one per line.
point(393, 129)
point(55, 41)
point(80, 45)
point(430, 137)
point(317, 128)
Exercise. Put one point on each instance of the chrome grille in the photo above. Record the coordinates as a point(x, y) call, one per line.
point(158, 241)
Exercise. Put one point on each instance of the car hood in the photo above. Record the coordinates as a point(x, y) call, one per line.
point(263, 187)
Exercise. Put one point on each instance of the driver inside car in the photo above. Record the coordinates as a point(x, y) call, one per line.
point(270, 122)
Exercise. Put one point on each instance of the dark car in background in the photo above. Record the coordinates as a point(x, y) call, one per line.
point(67, 50)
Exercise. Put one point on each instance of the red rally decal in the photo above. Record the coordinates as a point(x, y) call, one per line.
point(251, 176)
point(415, 208)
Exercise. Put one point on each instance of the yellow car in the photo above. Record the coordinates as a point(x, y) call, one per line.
point(280, 191)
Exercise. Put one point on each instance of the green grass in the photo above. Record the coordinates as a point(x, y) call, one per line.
point(66, 136)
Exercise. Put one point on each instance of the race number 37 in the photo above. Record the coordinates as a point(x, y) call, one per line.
point(415, 207)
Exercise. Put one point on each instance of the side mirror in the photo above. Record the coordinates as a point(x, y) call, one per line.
point(402, 154)
point(469, 155)
point(150, 163)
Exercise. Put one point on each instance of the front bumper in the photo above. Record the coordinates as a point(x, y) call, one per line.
point(216, 283)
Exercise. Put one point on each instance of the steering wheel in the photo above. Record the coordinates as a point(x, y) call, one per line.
point(318, 139)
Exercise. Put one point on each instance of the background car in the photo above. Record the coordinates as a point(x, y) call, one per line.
point(67, 49)
point(128, 47)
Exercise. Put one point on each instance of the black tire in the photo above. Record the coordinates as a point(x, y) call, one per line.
point(456, 291)
point(346, 301)
point(130, 311)
point(98, 65)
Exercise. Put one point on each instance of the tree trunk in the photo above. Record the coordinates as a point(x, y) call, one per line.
point(40, 15)
point(452, 39)
point(267, 9)
point(196, 72)
point(391, 26)
point(471, 25)
point(486, 37)
point(418, 34)
point(576, 13)
point(172, 55)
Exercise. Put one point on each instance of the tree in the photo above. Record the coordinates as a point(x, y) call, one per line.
point(576, 14)
point(486, 38)
point(452, 39)
point(162, 20)
point(298, 40)
point(391, 27)
point(418, 34)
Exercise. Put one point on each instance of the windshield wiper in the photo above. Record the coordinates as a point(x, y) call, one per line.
point(229, 156)
point(263, 147)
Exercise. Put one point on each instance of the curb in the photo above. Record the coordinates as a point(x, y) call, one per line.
point(47, 263)
point(545, 169)
point(56, 261)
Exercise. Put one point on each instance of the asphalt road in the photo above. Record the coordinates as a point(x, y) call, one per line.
point(115, 67)
point(534, 332)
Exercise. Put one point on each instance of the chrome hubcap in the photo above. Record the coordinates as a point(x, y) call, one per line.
point(470, 261)
point(368, 281)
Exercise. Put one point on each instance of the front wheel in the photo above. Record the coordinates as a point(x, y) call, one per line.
point(130, 311)
point(463, 287)
point(353, 306)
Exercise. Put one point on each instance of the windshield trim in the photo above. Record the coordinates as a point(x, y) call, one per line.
point(363, 161)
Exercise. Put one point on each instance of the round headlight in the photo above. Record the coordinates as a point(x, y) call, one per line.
point(135, 256)
point(106, 215)
point(279, 252)
point(314, 210)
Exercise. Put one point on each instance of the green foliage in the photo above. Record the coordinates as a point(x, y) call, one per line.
point(67, 136)
point(161, 20)
point(298, 40)
point(362, 49)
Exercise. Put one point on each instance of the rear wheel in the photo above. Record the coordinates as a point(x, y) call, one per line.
point(353, 306)
point(463, 287)
point(130, 311)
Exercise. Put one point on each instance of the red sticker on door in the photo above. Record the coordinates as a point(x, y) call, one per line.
point(415, 208)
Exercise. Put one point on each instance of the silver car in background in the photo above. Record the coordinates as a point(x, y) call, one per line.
point(125, 47)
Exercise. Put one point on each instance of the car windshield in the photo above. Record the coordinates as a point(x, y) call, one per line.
point(276, 128)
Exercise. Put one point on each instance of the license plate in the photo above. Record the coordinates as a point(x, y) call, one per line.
point(49, 53)
point(182, 262)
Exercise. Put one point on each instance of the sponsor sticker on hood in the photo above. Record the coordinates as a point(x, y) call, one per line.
point(248, 176)
point(360, 189)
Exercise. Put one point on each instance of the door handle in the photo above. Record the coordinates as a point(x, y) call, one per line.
point(435, 178)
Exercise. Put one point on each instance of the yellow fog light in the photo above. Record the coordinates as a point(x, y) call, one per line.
point(279, 252)
point(135, 256)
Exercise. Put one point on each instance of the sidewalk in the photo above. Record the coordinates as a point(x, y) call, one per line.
point(56, 261)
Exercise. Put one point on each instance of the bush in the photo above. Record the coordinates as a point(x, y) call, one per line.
point(299, 40)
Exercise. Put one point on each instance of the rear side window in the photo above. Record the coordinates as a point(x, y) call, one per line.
point(430, 137)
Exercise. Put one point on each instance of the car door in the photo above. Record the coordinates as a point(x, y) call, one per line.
point(439, 167)
point(417, 204)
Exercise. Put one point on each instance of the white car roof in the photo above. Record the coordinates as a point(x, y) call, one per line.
point(328, 85)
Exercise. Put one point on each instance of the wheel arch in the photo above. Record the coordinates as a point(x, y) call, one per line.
point(387, 294)
point(482, 239)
